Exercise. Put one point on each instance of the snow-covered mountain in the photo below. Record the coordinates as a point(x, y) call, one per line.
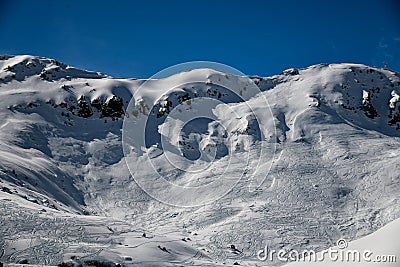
point(199, 168)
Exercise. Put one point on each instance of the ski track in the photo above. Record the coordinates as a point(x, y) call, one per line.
point(333, 171)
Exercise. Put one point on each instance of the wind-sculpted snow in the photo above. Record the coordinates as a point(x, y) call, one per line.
point(201, 167)
point(167, 155)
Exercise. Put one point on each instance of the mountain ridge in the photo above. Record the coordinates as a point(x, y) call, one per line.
point(317, 147)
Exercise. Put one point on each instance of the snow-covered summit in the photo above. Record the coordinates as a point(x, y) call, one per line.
point(20, 67)
point(302, 158)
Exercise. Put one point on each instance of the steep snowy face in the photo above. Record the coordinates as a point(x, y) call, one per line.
point(49, 113)
point(178, 149)
point(297, 106)
point(298, 159)
point(352, 94)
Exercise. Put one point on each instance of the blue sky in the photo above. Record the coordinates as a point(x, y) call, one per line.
point(140, 38)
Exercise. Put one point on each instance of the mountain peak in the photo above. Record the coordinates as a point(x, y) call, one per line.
point(20, 67)
point(195, 161)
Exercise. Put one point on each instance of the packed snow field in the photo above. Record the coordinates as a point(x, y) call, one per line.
point(202, 168)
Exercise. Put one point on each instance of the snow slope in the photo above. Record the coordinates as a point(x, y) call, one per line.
point(209, 165)
point(372, 253)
